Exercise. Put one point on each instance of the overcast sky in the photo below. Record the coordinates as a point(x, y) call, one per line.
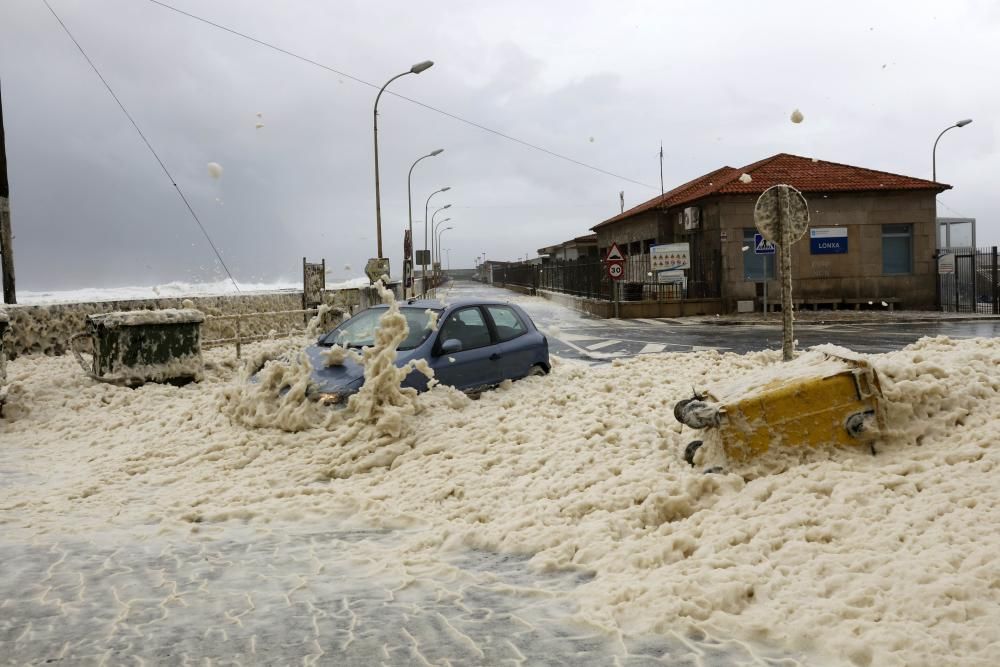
point(599, 82)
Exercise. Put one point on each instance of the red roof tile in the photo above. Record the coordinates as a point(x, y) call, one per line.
point(805, 174)
point(671, 197)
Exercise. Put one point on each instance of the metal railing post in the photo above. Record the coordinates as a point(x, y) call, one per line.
point(239, 342)
point(995, 287)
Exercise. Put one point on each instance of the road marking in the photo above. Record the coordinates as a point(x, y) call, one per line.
point(702, 348)
point(653, 347)
point(605, 343)
point(656, 322)
point(593, 356)
point(571, 336)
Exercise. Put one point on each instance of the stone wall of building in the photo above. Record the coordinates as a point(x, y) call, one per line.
point(854, 275)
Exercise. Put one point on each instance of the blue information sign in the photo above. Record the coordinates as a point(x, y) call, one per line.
point(828, 240)
point(761, 246)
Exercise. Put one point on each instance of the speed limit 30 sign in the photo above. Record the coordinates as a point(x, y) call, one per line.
point(615, 270)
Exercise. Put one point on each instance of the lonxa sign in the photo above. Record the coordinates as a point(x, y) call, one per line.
point(827, 240)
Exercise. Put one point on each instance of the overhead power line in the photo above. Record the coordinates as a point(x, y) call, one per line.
point(148, 145)
point(402, 97)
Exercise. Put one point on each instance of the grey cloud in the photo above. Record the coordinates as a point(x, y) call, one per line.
point(715, 82)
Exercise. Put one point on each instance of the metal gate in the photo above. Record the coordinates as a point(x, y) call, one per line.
point(968, 280)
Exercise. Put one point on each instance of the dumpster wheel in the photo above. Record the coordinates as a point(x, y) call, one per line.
point(690, 450)
point(855, 424)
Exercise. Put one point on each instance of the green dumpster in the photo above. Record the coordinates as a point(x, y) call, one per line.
point(135, 347)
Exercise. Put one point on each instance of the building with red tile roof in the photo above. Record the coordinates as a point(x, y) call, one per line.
point(879, 229)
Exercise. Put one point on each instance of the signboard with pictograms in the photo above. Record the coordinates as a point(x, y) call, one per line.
point(670, 256)
point(614, 262)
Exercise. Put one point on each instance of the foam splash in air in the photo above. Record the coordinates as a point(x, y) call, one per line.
point(375, 425)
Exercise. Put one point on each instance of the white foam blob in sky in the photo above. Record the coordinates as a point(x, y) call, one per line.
point(259, 125)
point(797, 116)
point(214, 169)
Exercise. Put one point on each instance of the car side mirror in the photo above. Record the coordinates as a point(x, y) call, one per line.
point(451, 346)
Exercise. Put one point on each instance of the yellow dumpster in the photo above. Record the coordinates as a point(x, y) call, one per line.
point(824, 398)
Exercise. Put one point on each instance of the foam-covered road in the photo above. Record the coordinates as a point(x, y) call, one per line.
point(576, 335)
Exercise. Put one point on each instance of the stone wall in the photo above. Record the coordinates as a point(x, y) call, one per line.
point(46, 329)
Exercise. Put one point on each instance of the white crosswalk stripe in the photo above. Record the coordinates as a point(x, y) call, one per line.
point(652, 348)
point(602, 344)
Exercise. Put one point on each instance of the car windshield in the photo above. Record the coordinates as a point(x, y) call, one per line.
point(359, 331)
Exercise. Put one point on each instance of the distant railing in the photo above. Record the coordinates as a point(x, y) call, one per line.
point(239, 338)
point(639, 282)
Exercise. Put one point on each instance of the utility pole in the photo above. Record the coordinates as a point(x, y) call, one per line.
point(6, 242)
point(661, 167)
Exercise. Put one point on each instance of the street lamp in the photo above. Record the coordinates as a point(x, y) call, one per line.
point(416, 69)
point(409, 205)
point(961, 123)
point(426, 204)
point(436, 249)
point(434, 229)
point(440, 233)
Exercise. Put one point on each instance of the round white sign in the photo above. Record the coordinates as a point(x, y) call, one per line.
point(785, 204)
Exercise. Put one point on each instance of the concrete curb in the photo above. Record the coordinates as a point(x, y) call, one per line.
point(888, 320)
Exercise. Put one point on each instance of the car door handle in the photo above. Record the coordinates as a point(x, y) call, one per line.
point(495, 356)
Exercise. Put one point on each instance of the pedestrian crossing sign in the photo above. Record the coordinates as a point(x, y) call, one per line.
point(762, 246)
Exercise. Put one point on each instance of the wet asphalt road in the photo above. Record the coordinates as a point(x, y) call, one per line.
point(576, 335)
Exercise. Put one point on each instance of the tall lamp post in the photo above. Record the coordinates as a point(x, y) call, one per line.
point(409, 205)
point(416, 69)
point(426, 205)
point(961, 123)
point(440, 234)
point(434, 229)
point(436, 248)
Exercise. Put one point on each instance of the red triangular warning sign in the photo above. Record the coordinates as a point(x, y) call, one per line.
point(614, 254)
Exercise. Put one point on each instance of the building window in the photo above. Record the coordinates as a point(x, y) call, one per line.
point(897, 249)
point(756, 268)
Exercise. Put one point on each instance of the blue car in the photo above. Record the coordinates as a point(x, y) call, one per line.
point(477, 345)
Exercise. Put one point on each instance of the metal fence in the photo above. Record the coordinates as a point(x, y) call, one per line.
point(639, 282)
point(969, 280)
point(584, 279)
